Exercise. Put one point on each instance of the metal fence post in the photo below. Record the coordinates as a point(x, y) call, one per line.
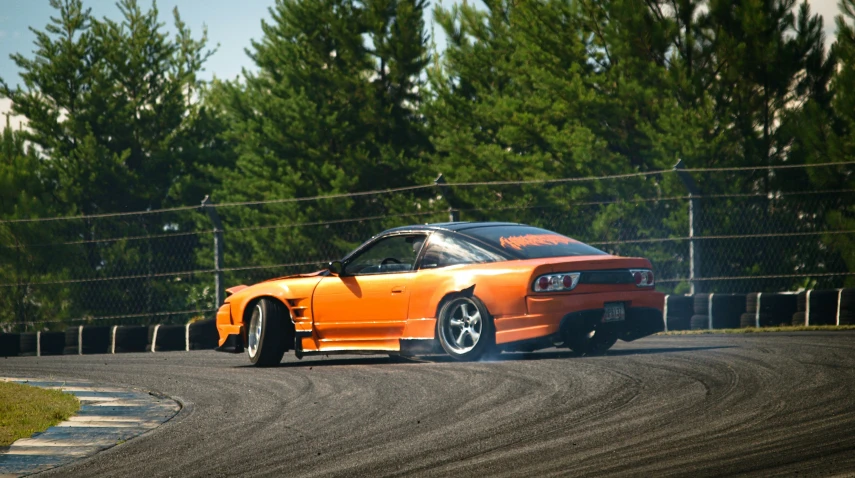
point(694, 217)
point(209, 208)
point(453, 214)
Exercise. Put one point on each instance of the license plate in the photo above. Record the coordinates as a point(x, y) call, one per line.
point(613, 312)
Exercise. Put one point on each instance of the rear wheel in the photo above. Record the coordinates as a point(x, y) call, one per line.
point(595, 342)
point(465, 328)
point(265, 346)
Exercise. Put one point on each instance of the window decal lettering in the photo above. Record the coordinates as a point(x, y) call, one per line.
point(529, 240)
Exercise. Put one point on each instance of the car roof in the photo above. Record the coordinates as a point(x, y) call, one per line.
point(450, 226)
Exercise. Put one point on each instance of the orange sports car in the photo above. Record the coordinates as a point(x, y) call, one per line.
point(465, 289)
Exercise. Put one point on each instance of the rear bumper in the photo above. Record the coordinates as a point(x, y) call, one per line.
point(551, 314)
point(640, 322)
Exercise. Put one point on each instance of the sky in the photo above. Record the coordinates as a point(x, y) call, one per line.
point(231, 24)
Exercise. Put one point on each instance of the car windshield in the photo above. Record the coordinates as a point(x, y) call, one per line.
point(531, 242)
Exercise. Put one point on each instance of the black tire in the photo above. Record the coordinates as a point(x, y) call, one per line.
point(264, 330)
point(680, 310)
point(52, 343)
point(748, 319)
point(590, 345)
point(679, 323)
point(477, 335)
point(29, 345)
point(131, 338)
point(701, 304)
point(10, 345)
point(801, 301)
point(751, 302)
point(700, 322)
point(71, 336)
point(203, 335)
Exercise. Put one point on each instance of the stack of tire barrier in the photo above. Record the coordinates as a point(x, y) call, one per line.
point(766, 309)
point(678, 312)
point(72, 336)
point(31, 344)
point(10, 345)
point(28, 345)
point(203, 335)
point(96, 339)
point(717, 311)
point(130, 339)
point(51, 343)
point(847, 307)
point(88, 339)
point(819, 307)
point(164, 338)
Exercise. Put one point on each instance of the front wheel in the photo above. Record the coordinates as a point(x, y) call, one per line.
point(465, 328)
point(265, 346)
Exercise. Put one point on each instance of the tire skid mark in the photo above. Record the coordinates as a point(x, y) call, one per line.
point(664, 406)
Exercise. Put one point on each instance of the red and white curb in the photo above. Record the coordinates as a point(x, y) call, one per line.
point(107, 416)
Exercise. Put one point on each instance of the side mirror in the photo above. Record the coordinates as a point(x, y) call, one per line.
point(336, 267)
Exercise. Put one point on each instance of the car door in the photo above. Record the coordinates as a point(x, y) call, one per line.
point(369, 300)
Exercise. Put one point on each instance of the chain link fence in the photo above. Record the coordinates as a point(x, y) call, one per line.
point(752, 230)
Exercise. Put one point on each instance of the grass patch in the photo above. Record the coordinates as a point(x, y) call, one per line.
point(755, 330)
point(25, 410)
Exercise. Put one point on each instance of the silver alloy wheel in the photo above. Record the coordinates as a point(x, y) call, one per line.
point(254, 332)
point(462, 329)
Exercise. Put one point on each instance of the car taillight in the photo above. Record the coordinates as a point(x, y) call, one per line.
point(556, 282)
point(642, 277)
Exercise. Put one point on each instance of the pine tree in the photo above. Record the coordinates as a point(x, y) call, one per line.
point(24, 195)
point(333, 108)
point(113, 112)
point(111, 104)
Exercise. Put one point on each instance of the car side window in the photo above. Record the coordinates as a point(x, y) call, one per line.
point(390, 254)
point(445, 250)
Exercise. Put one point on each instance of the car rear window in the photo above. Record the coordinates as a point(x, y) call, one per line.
point(531, 242)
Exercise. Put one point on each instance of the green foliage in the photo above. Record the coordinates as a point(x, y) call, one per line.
point(115, 124)
point(333, 108)
point(345, 98)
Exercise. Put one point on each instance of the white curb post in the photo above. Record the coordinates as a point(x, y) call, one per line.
point(39, 342)
point(665, 313)
point(757, 314)
point(187, 337)
point(154, 338)
point(709, 310)
point(80, 340)
point(807, 308)
point(839, 297)
point(113, 339)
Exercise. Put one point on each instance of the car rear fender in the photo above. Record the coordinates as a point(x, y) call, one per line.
point(500, 286)
point(467, 292)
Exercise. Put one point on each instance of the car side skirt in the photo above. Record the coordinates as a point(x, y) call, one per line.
point(232, 344)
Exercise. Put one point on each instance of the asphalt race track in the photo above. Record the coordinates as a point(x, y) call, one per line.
point(755, 404)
